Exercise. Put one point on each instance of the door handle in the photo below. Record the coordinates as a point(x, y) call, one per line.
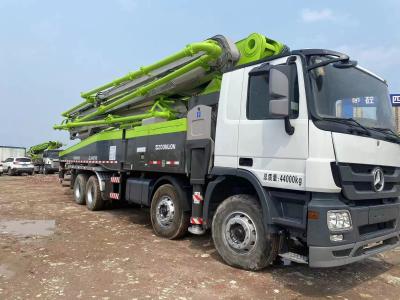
point(245, 162)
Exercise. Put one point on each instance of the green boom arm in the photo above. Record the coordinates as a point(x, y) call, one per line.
point(203, 55)
point(210, 47)
point(37, 150)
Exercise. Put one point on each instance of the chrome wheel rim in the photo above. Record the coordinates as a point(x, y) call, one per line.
point(240, 232)
point(89, 195)
point(77, 191)
point(165, 211)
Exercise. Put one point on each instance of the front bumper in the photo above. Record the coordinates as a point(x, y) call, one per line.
point(323, 257)
point(375, 229)
point(23, 170)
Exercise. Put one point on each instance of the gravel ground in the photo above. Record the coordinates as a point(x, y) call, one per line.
point(51, 248)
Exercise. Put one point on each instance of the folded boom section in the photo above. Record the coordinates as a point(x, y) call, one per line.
point(160, 91)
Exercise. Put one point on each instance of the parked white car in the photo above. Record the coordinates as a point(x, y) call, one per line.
point(1, 168)
point(18, 165)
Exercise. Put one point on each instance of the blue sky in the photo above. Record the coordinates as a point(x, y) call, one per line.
point(50, 51)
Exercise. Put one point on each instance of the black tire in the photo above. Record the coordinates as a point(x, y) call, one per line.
point(72, 181)
point(239, 234)
point(10, 172)
point(45, 171)
point(167, 225)
point(93, 194)
point(80, 189)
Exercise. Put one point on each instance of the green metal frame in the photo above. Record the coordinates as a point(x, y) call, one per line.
point(211, 48)
point(252, 48)
point(159, 109)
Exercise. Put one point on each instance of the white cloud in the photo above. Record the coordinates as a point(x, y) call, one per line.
point(379, 58)
point(310, 15)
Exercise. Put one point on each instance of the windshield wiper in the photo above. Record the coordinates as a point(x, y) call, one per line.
point(343, 59)
point(350, 121)
point(389, 131)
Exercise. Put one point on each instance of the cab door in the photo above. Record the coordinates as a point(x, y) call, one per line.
point(276, 158)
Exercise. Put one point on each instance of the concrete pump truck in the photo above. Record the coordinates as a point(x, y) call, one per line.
point(277, 152)
point(45, 157)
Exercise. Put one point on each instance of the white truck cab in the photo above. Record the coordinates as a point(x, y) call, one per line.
point(51, 162)
point(317, 132)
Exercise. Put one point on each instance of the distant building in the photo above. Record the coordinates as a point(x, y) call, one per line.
point(9, 151)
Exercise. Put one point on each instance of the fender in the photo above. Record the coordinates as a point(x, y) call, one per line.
point(182, 187)
point(268, 209)
point(102, 177)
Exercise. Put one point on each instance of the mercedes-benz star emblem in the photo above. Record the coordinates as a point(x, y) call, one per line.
point(379, 179)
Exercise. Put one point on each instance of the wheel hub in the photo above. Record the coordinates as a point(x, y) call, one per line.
point(165, 211)
point(240, 232)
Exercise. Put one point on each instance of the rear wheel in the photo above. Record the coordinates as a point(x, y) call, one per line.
point(239, 234)
point(10, 172)
point(168, 217)
point(80, 188)
point(93, 194)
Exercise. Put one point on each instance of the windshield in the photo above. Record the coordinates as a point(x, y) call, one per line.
point(23, 159)
point(350, 93)
point(51, 153)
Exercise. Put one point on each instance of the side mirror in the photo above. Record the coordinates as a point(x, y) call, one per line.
point(279, 91)
point(279, 108)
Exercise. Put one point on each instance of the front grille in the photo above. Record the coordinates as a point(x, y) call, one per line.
point(342, 253)
point(365, 249)
point(356, 181)
point(374, 228)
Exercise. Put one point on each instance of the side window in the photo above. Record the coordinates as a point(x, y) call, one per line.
point(258, 97)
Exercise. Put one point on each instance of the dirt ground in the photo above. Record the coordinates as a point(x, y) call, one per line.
point(51, 248)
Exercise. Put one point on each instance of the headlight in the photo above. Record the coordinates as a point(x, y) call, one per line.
point(338, 220)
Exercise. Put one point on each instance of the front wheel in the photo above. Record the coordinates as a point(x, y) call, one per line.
point(168, 217)
point(239, 235)
point(10, 172)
